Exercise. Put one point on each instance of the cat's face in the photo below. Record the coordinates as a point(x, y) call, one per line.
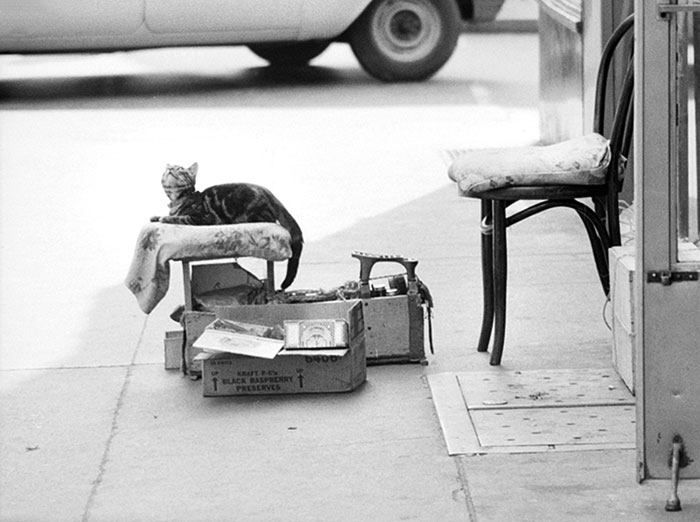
point(178, 181)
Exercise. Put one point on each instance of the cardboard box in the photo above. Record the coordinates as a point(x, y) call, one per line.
point(291, 371)
point(172, 347)
point(194, 324)
point(221, 283)
point(394, 329)
point(212, 276)
point(622, 295)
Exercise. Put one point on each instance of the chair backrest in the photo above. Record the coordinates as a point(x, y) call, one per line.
point(606, 63)
point(620, 132)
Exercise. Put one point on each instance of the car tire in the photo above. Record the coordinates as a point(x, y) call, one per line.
point(290, 54)
point(405, 40)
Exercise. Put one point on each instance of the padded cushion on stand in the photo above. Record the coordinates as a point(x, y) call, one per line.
point(158, 243)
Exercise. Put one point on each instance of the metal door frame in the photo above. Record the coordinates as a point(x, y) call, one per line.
point(668, 309)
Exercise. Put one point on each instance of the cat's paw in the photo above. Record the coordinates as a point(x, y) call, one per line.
point(155, 219)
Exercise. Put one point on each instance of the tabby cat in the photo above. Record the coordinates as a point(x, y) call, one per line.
point(227, 204)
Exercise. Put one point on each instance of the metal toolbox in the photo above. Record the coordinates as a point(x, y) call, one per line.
point(395, 314)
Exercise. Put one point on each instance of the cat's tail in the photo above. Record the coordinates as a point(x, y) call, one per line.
point(297, 243)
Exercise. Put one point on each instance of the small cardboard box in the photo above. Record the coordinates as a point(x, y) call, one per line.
point(172, 348)
point(623, 313)
point(194, 323)
point(394, 329)
point(291, 371)
point(211, 276)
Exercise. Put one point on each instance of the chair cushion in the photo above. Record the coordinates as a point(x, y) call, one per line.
point(578, 161)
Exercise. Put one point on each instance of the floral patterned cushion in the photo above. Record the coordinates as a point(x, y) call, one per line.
point(158, 243)
point(578, 161)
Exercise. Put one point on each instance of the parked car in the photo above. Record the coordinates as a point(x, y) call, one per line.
point(394, 40)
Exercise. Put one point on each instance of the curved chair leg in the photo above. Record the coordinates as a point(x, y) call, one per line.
point(600, 253)
point(500, 275)
point(599, 239)
point(486, 274)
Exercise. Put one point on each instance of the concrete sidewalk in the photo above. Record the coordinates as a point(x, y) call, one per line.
point(134, 442)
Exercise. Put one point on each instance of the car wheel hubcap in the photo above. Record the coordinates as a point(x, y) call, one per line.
point(405, 26)
point(406, 30)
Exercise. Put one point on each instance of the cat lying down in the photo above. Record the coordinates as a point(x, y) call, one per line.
point(227, 204)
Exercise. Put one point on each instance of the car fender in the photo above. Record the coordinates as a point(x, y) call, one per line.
point(328, 19)
point(485, 10)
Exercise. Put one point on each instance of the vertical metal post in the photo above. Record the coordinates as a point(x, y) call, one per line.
point(696, 98)
point(679, 47)
point(652, 213)
point(667, 315)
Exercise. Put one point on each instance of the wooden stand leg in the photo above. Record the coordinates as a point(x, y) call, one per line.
point(187, 283)
point(270, 276)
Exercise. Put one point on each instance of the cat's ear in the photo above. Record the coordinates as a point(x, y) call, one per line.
point(193, 169)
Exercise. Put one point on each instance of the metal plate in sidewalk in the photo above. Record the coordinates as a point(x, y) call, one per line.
point(554, 388)
point(533, 411)
point(554, 426)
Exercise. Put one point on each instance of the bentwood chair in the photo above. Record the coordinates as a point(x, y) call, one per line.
point(589, 168)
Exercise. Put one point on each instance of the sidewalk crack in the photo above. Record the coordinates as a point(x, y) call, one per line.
point(464, 483)
point(114, 428)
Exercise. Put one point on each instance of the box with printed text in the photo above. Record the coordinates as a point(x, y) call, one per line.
point(315, 370)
